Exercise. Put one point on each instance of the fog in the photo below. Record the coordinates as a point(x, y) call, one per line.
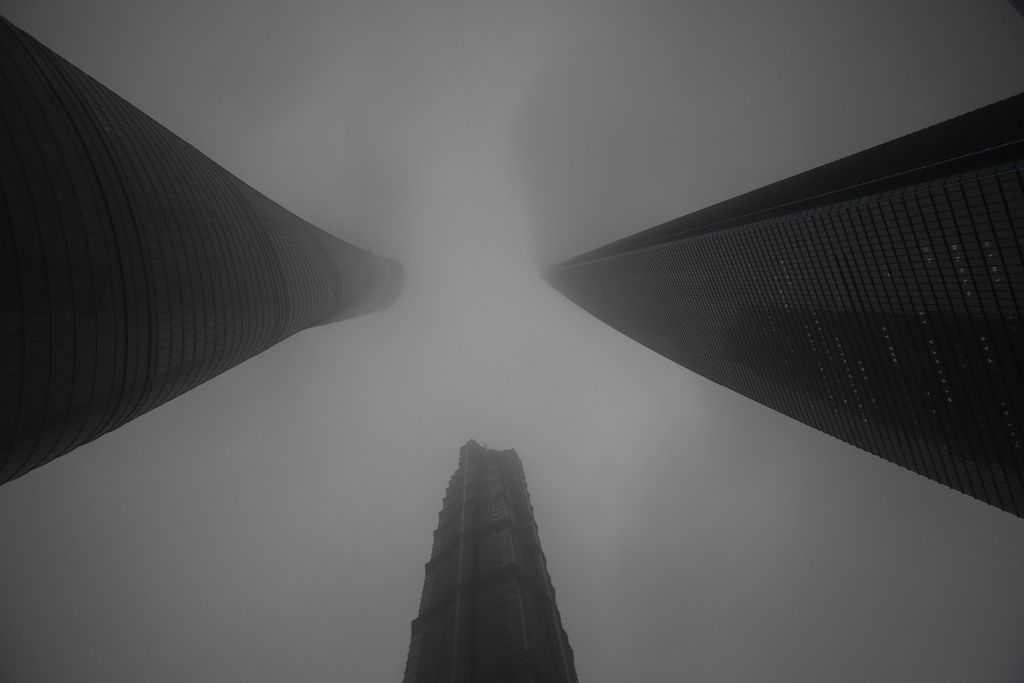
point(273, 523)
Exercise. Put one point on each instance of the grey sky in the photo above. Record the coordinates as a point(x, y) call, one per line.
point(273, 523)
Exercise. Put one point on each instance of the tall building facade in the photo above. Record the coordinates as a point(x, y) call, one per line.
point(877, 298)
point(132, 267)
point(488, 610)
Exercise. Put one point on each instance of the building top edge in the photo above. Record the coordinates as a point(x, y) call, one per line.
point(996, 130)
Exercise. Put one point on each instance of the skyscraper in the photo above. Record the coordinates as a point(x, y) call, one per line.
point(132, 267)
point(488, 609)
point(877, 298)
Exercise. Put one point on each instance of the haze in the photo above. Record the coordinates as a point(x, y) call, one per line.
point(273, 523)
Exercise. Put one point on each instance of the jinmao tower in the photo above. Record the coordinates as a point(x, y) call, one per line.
point(877, 298)
point(132, 267)
point(488, 609)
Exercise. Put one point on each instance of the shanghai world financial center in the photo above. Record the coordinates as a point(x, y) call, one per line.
point(876, 298)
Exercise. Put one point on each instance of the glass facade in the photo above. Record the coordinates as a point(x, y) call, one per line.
point(132, 267)
point(877, 298)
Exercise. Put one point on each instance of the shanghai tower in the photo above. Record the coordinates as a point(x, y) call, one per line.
point(877, 298)
point(487, 612)
point(132, 267)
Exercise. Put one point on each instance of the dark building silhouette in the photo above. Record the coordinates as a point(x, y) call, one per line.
point(488, 609)
point(1018, 5)
point(132, 267)
point(877, 298)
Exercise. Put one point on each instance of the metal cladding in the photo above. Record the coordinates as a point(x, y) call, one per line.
point(488, 609)
point(132, 267)
point(877, 298)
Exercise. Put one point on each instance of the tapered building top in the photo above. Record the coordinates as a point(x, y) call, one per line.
point(877, 298)
point(488, 609)
point(132, 267)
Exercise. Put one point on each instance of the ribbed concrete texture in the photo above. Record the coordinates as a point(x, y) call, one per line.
point(488, 609)
point(132, 267)
point(877, 298)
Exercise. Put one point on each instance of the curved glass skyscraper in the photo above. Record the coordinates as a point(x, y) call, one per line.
point(132, 267)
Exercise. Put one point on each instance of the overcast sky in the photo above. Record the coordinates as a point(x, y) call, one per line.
point(273, 523)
